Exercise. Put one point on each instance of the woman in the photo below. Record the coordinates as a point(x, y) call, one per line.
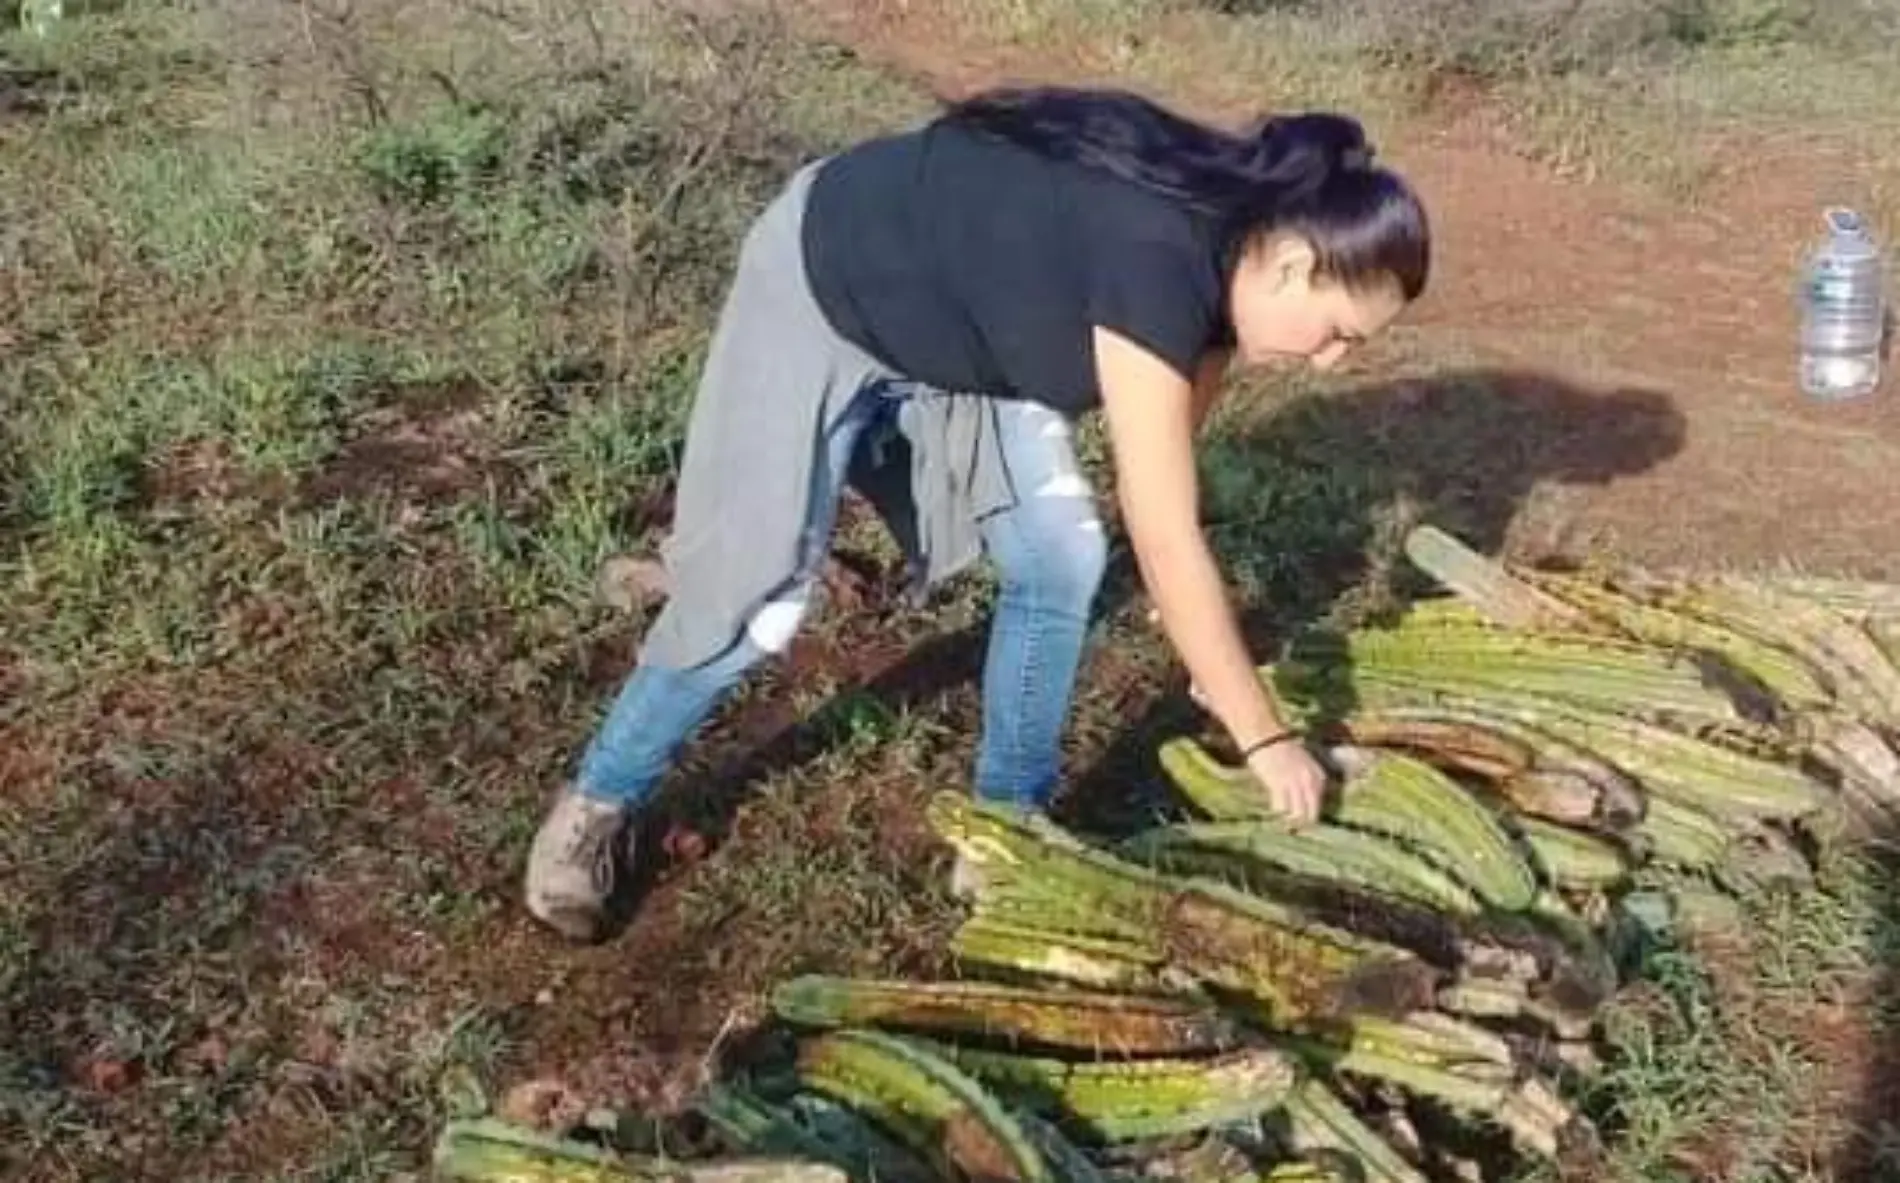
point(966, 291)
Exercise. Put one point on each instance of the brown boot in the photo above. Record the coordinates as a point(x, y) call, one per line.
point(572, 864)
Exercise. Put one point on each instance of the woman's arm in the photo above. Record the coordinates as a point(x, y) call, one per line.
point(1152, 413)
point(1209, 381)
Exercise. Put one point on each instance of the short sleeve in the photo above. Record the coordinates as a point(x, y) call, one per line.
point(1158, 296)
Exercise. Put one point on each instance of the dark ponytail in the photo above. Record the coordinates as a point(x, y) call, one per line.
point(1310, 174)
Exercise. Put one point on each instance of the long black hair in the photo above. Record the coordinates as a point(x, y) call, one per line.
point(1309, 174)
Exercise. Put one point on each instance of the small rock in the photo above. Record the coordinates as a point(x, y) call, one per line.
point(544, 996)
point(110, 1076)
point(627, 582)
point(683, 844)
point(543, 1104)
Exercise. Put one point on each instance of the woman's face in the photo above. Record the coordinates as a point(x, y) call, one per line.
point(1284, 312)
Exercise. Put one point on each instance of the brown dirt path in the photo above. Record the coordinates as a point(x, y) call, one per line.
point(1589, 284)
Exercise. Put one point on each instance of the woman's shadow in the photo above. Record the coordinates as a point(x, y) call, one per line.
point(1301, 505)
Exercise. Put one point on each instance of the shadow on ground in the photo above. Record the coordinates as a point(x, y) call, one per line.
point(1313, 486)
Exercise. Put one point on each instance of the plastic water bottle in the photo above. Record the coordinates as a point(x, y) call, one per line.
point(1843, 311)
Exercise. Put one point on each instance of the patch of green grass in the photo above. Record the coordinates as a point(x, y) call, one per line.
point(821, 872)
point(77, 472)
point(607, 444)
point(111, 473)
point(194, 211)
point(1722, 1057)
point(855, 720)
point(450, 150)
point(279, 410)
point(590, 461)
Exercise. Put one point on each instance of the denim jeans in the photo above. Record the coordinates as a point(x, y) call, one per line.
point(1050, 553)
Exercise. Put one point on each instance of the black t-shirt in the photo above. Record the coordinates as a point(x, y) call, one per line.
point(974, 265)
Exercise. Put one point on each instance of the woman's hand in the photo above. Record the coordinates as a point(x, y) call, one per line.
point(1293, 779)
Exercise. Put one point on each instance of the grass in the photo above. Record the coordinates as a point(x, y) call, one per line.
point(343, 344)
point(1727, 1055)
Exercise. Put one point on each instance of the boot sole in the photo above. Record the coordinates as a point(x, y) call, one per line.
point(573, 922)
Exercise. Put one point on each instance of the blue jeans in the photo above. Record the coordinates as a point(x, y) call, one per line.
point(1050, 552)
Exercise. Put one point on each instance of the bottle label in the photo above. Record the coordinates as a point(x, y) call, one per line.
point(1834, 289)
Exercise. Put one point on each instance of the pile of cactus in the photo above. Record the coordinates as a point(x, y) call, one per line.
point(1407, 989)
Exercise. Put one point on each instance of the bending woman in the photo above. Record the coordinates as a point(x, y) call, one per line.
point(965, 291)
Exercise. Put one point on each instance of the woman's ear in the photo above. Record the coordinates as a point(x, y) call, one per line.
point(1282, 262)
point(1293, 264)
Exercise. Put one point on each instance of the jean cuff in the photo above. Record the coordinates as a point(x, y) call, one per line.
point(1026, 801)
